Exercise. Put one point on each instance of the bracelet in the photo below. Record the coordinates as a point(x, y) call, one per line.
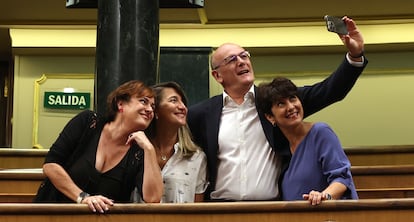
point(358, 56)
point(328, 196)
point(82, 196)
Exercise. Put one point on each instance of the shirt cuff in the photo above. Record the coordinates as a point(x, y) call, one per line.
point(356, 64)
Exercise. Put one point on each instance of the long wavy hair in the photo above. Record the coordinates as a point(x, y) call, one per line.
point(185, 141)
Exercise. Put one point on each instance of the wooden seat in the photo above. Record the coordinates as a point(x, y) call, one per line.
point(373, 180)
point(14, 158)
point(380, 155)
point(19, 184)
point(377, 177)
point(378, 193)
point(16, 197)
point(359, 156)
point(396, 181)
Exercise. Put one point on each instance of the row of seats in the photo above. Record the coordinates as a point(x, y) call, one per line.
point(397, 181)
point(388, 172)
point(359, 156)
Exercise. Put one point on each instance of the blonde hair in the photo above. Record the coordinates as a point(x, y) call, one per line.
point(185, 140)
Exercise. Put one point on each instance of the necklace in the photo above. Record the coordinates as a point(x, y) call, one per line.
point(165, 157)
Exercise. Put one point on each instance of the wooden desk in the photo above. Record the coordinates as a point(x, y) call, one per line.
point(378, 210)
point(380, 155)
point(391, 176)
point(20, 180)
point(359, 156)
point(21, 158)
point(20, 185)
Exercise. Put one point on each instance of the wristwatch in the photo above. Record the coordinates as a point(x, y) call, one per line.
point(328, 196)
point(82, 196)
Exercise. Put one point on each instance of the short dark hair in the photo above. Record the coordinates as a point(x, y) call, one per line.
point(124, 93)
point(269, 93)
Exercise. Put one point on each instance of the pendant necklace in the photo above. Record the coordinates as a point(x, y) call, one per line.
point(164, 157)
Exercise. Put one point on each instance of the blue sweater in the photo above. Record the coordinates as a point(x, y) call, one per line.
point(318, 161)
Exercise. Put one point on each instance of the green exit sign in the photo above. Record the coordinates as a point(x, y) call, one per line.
point(61, 100)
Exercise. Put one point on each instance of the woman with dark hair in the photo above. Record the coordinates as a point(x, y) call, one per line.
point(100, 160)
point(319, 169)
point(183, 163)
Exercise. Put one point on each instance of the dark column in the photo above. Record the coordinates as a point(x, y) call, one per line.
point(127, 45)
point(107, 51)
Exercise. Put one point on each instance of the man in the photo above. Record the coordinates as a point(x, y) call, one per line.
point(246, 154)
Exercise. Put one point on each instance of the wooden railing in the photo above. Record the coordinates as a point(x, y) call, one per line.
point(378, 210)
point(394, 178)
point(20, 185)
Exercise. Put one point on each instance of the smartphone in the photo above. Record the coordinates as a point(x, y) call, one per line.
point(335, 24)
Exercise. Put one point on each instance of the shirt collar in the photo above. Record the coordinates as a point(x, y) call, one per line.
point(250, 95)
point(176, 147)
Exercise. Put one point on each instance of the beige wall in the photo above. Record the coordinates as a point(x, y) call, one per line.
point(28, 69)
point(378, 110)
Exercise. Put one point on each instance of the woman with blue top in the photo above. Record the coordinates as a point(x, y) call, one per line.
point(319, 168)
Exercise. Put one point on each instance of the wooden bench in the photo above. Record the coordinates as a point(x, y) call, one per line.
point(379, 172)
point(380, 155)
point(375, 193)
point(378, 210)
point(21, 158)
point(20, 185)
point(359, 156)
point(393, 176)
point(16, 197)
